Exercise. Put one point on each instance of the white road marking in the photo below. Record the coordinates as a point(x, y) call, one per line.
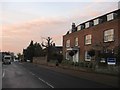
point(3, 73)
point(46, 82)
point(32, 73)
point(42, 80)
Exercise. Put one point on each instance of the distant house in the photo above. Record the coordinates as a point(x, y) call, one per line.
point(59, 49)
point(103, 30)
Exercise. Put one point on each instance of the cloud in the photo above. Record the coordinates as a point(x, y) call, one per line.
point(19, 35)
point(92, 10)
point(16, 36)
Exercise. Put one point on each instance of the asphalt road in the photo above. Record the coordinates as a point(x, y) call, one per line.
point(27, 75)
point(16, 76)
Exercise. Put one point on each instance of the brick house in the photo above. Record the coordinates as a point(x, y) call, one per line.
point(100, 31)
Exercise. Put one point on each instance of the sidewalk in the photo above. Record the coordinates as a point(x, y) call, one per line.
point(101, 78)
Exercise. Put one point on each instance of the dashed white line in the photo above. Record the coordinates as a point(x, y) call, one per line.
point(3, 73)
point(46, 82)
point(42, 80)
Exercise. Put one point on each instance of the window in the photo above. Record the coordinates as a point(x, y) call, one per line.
point(67, 56)
point(88, 39)
point(87, 56)
point(110, 16)
point(109, 35)
point(87, 25)
point(79, 28)
point(76, 41)
point(96, 21)
point(68, 43)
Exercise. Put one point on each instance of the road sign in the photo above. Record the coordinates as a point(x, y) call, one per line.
point(111, 61)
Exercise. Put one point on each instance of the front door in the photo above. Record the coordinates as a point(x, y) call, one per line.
point(76, 57)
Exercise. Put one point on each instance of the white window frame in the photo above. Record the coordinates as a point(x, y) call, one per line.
point(109, 35)
point(87, 56)
point(68, 43)
point(110, 16)
point(88, 39)
point(76, 41)
point(67, 56)
point(78, 27)
point(96, 21)
point(87, 25)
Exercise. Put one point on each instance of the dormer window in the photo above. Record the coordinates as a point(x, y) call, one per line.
point(79, 28)
point(96, 21)
point(87, 24)
point(110, 16)
point(82, 26)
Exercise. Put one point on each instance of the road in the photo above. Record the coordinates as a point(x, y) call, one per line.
point(27, 75)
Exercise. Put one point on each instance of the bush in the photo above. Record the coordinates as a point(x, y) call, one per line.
point(76, 64)
point(90, 65)
point(91, 52)
point(86, 64)
point(81, 64)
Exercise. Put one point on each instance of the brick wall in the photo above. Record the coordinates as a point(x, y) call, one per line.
point(97, 33)
point(39, 60)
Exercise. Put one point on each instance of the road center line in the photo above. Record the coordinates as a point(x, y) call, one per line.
point(42, 80)
point(46, 82)
point(3, 73)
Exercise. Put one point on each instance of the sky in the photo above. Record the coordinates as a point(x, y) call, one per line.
point(22, 20)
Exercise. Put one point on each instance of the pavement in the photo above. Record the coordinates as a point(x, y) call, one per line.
point(97, 77)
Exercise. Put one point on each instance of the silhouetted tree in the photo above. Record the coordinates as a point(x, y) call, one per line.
point(30, 51)
point(37, 50)
point(117, 54)
point(33, 50)
point(91, 52)
point(48, 46)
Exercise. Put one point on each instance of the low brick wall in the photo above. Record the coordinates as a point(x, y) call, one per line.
point(113, 70)
point(39, 60)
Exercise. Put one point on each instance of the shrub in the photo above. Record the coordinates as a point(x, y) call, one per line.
point(76, 64)
point(91, 52)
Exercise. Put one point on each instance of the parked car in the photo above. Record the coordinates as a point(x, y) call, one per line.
point(16, 60)
point(28, 60)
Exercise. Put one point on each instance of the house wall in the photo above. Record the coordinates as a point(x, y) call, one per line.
point(97, 33)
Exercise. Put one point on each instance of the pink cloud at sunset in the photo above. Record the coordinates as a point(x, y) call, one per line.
point(31, 21)
point(33, 30)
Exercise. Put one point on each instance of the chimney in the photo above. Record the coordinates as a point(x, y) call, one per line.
point(73, 27)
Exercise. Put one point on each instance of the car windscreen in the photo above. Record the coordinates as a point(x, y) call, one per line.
point(7, 58)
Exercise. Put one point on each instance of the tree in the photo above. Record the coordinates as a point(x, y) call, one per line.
point(100, 51)
point(33, 50)
point(117, 53)
point(20, 56)
point(91, 52)
point(37, 50)
point(48, 46)
point(71, 53)
point(30, 51)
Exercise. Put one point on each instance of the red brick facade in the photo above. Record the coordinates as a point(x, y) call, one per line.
point(97, 33)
